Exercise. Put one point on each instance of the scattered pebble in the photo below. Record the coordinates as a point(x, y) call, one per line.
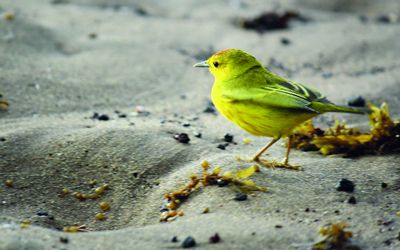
point(388, 18)
point(210, 108)
point(278, 226)
point(175, 239)
point(186, 124)
point(384, 185)
point(64, 240)
point(345, 185)
point(222, 183)
point(180, 213)
point(240, 196)
point(9, 16)
point(221, 146)
point(246, 141)
point(352, 200)
point(307, 210)
point(206, 210)
point(285, 41)
point(327, 75)
point(197, 134)
point(189, 242)
point(215, 239)
point(182, 137)
point(100, 116)
point(9, 183)
point(120, 115)
point(228, 137)
point(99, 190)
point(357, 101)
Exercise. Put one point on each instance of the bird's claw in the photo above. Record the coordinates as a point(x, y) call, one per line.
point(269, 163)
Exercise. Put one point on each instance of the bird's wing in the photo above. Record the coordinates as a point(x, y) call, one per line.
point(274, 96)
point(310, 94)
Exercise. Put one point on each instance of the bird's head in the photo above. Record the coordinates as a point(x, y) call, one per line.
point(230, 63)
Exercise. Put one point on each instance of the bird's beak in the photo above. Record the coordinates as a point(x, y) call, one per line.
point(202, 64)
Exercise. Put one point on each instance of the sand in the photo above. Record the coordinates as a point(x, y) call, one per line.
point(61, 61)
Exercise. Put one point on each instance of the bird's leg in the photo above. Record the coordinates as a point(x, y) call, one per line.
point(257, 157)
point(289, 146)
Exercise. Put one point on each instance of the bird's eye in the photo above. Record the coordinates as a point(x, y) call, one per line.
point(215, 64)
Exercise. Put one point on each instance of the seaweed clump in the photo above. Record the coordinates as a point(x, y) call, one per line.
point(238, 182)
point(383, 137)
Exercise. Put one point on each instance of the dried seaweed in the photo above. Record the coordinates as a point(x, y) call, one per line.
point(333, 236)
point(239, 182)
point(383, 137)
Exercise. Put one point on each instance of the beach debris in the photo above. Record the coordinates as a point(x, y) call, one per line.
point(383, 137)
point(196, 134)
point(182, 137)
point(206, 210)
point(357, 101)
point(9, 183)
point(3, 104)
point(100, 216)
point(246, 141)
point(222, 146)
point(140, 111)
point(345, 185)
point(228, 137)
point(189, 242)
point(99, 190)
point(76, 229)
point(332, 236)
point(215, 238)
point(271, 20)
point(100, 116)
point(9, 16)
point(240, 196)
point(352, 200)
point(210, 108)
point(104, 206)
point(238, 182)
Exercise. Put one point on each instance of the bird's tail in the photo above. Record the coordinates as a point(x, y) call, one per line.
point(348, 109)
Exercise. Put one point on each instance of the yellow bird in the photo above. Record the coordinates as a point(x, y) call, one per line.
point(262, 103)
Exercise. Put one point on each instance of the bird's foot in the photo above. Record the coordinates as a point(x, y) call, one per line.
point(269, 163)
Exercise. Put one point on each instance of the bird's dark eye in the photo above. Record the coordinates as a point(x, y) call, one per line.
point(215, 64)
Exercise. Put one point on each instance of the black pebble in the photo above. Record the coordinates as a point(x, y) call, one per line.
point(285, 41)
point(345, 185)
point(100, 116)
point(64, 240)
point(42, 212)
point(357, 101)
point(183, 137)
point(307, 210)
point(384, 185)
point(222, 183)
point(228, 137)
point(189, 242)
point(278, 226)
point(240, 196)
point(352, 200)
point(175, 239)
point(221, 146)
point(210, 108)
point(215, 239)
point(2, 139)
point(197, 134)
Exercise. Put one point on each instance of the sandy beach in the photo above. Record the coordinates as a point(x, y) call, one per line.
point(98, 89)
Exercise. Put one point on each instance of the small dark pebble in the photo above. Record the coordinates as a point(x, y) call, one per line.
point(222, 183)
point(357, 101)
point(163, 209)
point(278, 226)
point(210, 108)
point(100, 116)
point(182, 138)
point(337, 212)
point(240, 196)
point(285, 41)
point(189, 242)
point(307, 210)
point(327, 75)
point(64, 240)
point(186, 124)
point(387, 242)
point(197, 134)
point(183, 97)
point(59, 1)
point(388, 18)
point(215, 239)
point(385, 222)
point(221, 146)
point(269, 21)
point(2, 139)
point(228, 137)
point(352, 200)
point(42, 212)
point(92, 35)
point(141, 11)
point(345, 185)
point(376, 69)
point(384, 185)
point(175, 239)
